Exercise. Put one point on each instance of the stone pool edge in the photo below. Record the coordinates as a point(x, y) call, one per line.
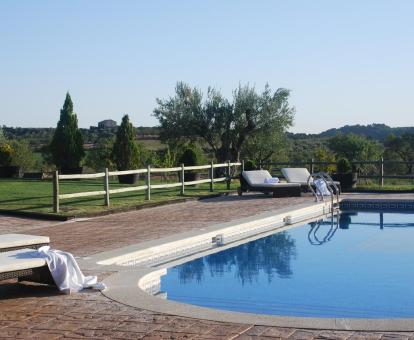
point(128, 286)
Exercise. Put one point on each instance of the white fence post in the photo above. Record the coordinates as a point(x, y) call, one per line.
point(182, 179)
point(106, 187)
point(211, 176)
point(56, 192)
point(148, 196)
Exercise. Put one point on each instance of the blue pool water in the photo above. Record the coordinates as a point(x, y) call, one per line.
point(361, 267)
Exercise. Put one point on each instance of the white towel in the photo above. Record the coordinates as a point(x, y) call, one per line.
point(66, 272)
point(272, 180)
point(321, 188)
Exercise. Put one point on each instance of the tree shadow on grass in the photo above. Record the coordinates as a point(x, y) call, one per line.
point(14, 200)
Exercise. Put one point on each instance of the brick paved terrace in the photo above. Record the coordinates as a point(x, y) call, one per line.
point(30, 310)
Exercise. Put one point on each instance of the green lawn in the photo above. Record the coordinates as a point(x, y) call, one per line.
point(389, 184)
point(36, 195)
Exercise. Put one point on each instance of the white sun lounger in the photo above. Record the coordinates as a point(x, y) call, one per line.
point(25, 265)
point(300, 176)
point(17, 241)
point(254, 180)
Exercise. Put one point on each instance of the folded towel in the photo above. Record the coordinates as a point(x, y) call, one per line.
point(66, 272)
point(272, 180)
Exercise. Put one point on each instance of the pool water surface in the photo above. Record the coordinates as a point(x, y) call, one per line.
point(359, 266)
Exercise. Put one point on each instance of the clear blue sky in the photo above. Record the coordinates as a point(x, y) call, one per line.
point(346, 62)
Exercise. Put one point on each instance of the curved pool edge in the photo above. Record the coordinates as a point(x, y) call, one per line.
point(124, 288)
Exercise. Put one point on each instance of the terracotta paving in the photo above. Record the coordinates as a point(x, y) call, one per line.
point(41, 312)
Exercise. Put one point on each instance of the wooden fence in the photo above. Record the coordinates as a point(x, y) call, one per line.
point(312, 165)
point(57, 197)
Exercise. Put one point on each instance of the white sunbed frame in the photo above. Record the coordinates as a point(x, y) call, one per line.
point(24, 265)
point(10, 242)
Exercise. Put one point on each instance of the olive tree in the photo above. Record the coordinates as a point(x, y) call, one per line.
point(225, 126)
point(403, 148)
point(355, 147)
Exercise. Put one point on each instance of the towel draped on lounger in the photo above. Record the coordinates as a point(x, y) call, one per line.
point(66, 272)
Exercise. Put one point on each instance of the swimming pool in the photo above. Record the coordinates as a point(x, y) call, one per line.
point(360, 265)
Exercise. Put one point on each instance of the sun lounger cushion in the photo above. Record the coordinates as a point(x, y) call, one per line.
point(20, 259)
point(299, 175)
point(21, 240)
point(256, 178)
point(296, 175)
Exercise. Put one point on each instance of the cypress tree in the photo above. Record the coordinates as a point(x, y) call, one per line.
point(67, 142)
point(125, 152)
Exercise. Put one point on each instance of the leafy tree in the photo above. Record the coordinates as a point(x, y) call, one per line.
point(403, 147)
point(100, 157)
point(22, 155)
point(125, 152)
point(355, 147)
point(322, 154)
point(146, 156)
point(262, 145)
point(6, 154)
point(168, 157)
point(3, 138)
point(67, 143)
point(224, 126)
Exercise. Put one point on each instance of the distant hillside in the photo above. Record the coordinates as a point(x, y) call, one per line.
point(376, 131)
point(38, 137)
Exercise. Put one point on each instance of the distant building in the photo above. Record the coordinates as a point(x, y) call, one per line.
point(107, 124)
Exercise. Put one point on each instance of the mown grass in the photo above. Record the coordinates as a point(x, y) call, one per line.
point(35, 196)
point(390, 184)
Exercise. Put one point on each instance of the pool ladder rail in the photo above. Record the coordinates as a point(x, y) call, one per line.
point(329, 184)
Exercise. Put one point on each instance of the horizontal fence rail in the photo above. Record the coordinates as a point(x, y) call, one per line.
point(380, 176)
point(57, 197)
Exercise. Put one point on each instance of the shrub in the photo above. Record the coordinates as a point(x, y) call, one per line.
point(189, 157)
point(125, 153)
point(6, 154)
point(192, 155)
point(249, 165)
point(343, 166)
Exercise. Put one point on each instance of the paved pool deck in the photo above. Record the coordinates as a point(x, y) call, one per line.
point(38, 311)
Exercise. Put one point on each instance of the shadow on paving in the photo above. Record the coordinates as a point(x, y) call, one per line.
point(18, 290)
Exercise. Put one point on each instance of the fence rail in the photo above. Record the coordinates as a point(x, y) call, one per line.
point(57, 197)
point(380, 164)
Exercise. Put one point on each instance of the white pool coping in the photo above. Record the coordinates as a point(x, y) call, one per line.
point(135, 281)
